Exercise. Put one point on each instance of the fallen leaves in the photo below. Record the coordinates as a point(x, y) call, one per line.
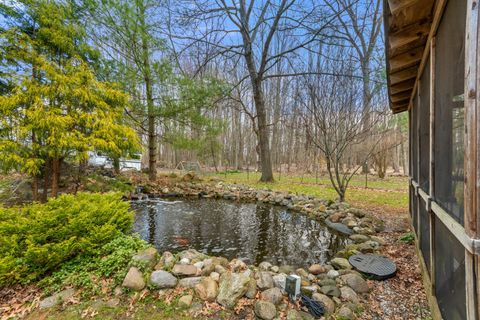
point(17, 301)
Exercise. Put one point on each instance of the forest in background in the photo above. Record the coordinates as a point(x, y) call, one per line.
point(283, 86)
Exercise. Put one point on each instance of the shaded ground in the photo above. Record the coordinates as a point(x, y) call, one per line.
point(402, 297)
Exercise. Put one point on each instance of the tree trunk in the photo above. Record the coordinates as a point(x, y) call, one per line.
point(46, 180)
point(147, 77)
point(55, 176)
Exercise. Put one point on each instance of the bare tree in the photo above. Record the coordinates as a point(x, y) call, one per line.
point(335, 121)
point(247, 29)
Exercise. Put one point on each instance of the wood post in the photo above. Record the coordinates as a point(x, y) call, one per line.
point(471, 160)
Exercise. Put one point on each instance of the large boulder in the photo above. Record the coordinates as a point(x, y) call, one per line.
point(192, 255)
point(147, 257)
point(134, 280)
point(356, 282)
point(232, 287)
point(279, 280)
point(331, 291)
point(207, 289)
point(316, 269)
point(167, 260)
point(273, 295)
point(264, 280)
point(348, 294)
point(162, 279)
point(56, 298)
point(189, 282)
point(265, 310)
point(325, 301)
point(184, 270)
point(340, 264)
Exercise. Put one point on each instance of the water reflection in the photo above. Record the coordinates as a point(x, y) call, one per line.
point(252, 232)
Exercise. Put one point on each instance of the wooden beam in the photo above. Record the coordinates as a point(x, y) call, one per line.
point(397, 5)
point(406, 60)
point(402, 86)
point(406, 36)
point(400, 96)
point(472, 158)
point(431, 176)
point(403, 75)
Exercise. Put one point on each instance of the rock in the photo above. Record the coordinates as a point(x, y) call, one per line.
point(356, 282)
point(237, 265)
point(275, 269)
point(207, 289)
point(349, 222)
point(302, 273)
point(134, 280)
point(215, 276)
point(113, 303)
point(347, 294)
point(279, 281)
point(340, 227)
point(357, 212)
point(316, 269)
point(359, 238)
point(232, 287)
point(381, 241)
point(345, 313)
point(265, 266)
point(147, 257)
point(184, 270)
point(184, 261)
point(56, 298)
point(368, 246)
point(337, 216)
point(265, 310)
point(192, 254)
point(118, 291)
point(252, 289)
point(327, 282)
point(326, 301)
point(332, 274)
point(208, 269)
point(220, 269)
point(185, 301)
point(162, 279)
point(293, 314)
point(340, 263)
point(332, 291)
point(167, 260)
point(273, 295)
point(189, 282)
point(264, 280)
point(220, 261)
point(286, 269)
point(306, 316)
point(309, 290)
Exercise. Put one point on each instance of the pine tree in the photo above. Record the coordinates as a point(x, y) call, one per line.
point(56, 109)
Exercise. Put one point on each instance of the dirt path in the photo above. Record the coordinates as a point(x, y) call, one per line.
point(402, 297)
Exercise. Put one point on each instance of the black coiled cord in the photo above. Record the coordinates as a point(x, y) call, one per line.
point(316, 308)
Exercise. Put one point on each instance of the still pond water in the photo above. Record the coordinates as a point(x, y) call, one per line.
point(249, 231)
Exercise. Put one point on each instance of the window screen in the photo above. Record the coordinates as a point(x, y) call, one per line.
point(449, 113)
point(424, 129)
point(449, 274)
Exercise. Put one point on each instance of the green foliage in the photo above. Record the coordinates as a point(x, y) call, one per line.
point(57, 108)
point(110, 261)
point(407, 237)
point(38, 238)
point(98, 183)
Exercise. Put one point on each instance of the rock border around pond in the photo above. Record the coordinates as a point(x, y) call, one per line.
point(215, 279)
point(218, 280)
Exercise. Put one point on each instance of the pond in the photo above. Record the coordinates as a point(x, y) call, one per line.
point(253, 232)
